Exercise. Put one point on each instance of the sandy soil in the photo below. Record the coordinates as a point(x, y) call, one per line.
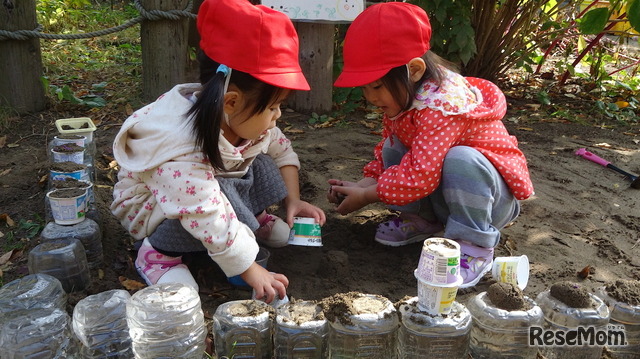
point(582, 215)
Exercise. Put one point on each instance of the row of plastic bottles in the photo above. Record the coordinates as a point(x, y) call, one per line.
point(167, 321)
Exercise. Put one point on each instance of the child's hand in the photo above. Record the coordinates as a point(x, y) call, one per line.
point(302, 208)
point(266, 284)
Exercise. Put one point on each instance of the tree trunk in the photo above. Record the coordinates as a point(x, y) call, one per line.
point(20, 60)
point(316, 60)
point(164, 49)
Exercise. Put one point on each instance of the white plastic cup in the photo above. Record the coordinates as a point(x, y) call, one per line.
point(76, 157)
point(439, 261)
point(69, 210)
point(514, 270)
point(305, 232)
point(437, 299)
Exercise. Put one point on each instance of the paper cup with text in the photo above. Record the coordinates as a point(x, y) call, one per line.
point(514, 270)
point(439, 262)
point(436, 299)
point(305, 232)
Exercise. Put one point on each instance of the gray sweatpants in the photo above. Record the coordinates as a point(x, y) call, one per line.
point(261, 187)
point(473, 201)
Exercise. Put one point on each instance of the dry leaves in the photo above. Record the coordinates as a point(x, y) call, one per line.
point(130, 284)
point(5, 217)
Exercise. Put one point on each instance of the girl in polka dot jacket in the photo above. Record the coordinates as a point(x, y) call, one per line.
point(445, 161)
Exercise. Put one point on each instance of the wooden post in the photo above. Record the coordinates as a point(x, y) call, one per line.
point(316, 60)
point(164, 49)
point(20, 60)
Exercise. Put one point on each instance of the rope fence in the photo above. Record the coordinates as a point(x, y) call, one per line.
point(151, 15)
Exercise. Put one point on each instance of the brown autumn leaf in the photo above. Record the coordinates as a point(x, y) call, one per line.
point(6, 172)
point(130, 284)
point(6, 257)
point(3, 141)
point(6, 218)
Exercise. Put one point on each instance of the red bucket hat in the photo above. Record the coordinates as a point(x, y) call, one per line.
point(382, 37)
point(253, 39)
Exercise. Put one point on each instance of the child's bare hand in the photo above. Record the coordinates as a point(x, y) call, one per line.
point(304, 209)
point(353, 198)
point(265, 284)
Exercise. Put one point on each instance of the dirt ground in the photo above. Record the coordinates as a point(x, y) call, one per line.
point(582, 215)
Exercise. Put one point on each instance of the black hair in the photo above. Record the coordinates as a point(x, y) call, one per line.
point(402, 90)
point(207, 113)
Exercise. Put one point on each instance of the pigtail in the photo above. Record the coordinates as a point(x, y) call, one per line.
point(207, 112)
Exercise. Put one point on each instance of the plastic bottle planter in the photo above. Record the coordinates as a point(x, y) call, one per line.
point(87, 231)
point(370, 332)
point(63, 139)
point(100, 323)
point(166, 321)
point(242, 329)
point(64, 259)
point(301, 331)
point(423, 335)
point(68, 206)
point(31, 292)
point(60, 170)
point(37, 333)
point(68, 152)
point(559, 316)
point(623, 314)
point(499, 333)
point(91, 211)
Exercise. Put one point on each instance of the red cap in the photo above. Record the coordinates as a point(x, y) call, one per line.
point(253, 39)
point(384, 36)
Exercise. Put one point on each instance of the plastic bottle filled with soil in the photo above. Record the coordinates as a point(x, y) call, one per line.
point(502, 317)
point(301, 331)
point(87, 231)
point(31, 292)
point(623, 299)
point(166, 321)
point(37, 333)
point(361, 326)
point(64, 259)
point(567, 307)
point(100, 323)
point(243, 328)
point(423, 335)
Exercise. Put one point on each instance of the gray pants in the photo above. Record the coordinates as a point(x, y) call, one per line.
point(472, 201)
point(261, 187)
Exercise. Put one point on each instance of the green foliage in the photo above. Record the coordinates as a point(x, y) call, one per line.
point(318, 119)
point(593, 21)
point(25, 229)
point(453, 36)
point(633, 13)
point(65, 93)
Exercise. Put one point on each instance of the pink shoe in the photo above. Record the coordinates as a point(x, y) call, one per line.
point(475, 262)
point(156, 268)
point(273, 231)
point(406, 229)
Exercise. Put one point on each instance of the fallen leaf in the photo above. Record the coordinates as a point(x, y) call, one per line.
point(7, 219)
point(100, 274)
point(3, 141)
point(293, 130)
point(13, 145)
point(6, 257)
point(603, 145)
point(585, 272)
point(622, 104)
point(130, 284)
point(525, 128)
point(5, 172)
point(128, 109)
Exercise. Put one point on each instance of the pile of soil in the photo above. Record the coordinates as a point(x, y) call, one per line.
point(342, 306)
point(301, 312)
point(625, 291)
point(571, 294)
point(67, 166)
point(507, 296)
